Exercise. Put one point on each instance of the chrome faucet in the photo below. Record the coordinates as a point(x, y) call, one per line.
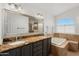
point(16, 38)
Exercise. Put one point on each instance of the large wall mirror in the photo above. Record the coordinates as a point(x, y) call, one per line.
point(17, 24)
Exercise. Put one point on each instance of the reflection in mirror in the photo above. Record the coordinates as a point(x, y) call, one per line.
point(15, 23)
point(18, 24)
point(35, 25)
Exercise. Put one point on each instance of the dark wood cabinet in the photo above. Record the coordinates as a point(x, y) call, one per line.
point(27, 50)
point(39, 48)
point(49, 45)
point(13, 52)
point(42, 48)
point(46, 46)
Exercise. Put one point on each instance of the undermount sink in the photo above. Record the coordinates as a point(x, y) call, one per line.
point(18, 43)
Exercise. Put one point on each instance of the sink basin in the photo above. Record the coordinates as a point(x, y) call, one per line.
point(58, 41)
point(18, 43)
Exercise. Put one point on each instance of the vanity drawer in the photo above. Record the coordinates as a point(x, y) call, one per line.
point(37, 49)
point(36, 44)
point(37, 53)
point(27, 50)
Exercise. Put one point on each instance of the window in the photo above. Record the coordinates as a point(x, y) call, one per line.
point(65, 21)
point(65, 25)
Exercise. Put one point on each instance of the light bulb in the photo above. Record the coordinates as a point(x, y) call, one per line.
point(39, 16)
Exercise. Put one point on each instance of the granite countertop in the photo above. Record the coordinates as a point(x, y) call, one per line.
point(28, 40)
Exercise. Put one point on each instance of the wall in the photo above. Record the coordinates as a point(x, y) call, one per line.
point(69, 13)
point(49, 23)
point(1, 17)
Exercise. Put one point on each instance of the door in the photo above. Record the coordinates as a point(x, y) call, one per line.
point(45, 47)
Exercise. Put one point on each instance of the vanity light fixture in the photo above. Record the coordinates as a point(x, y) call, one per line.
point(11, 5)
point(15, 6)
point(39, 16)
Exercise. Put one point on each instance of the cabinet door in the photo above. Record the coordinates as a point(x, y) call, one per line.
point(37, 53)
point(18, 51)
point(13, 52)
point(27, 50)
point(49, 46)
point(45, 46)
point(37, 48)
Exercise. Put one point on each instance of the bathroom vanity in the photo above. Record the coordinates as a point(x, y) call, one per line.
point(59, 46)
point(28, 31)
point(37, 46)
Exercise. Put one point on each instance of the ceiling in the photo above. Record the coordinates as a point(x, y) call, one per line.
point(51, 8)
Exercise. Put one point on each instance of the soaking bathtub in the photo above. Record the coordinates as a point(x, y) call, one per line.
point(59, 46)
point(58, 41)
